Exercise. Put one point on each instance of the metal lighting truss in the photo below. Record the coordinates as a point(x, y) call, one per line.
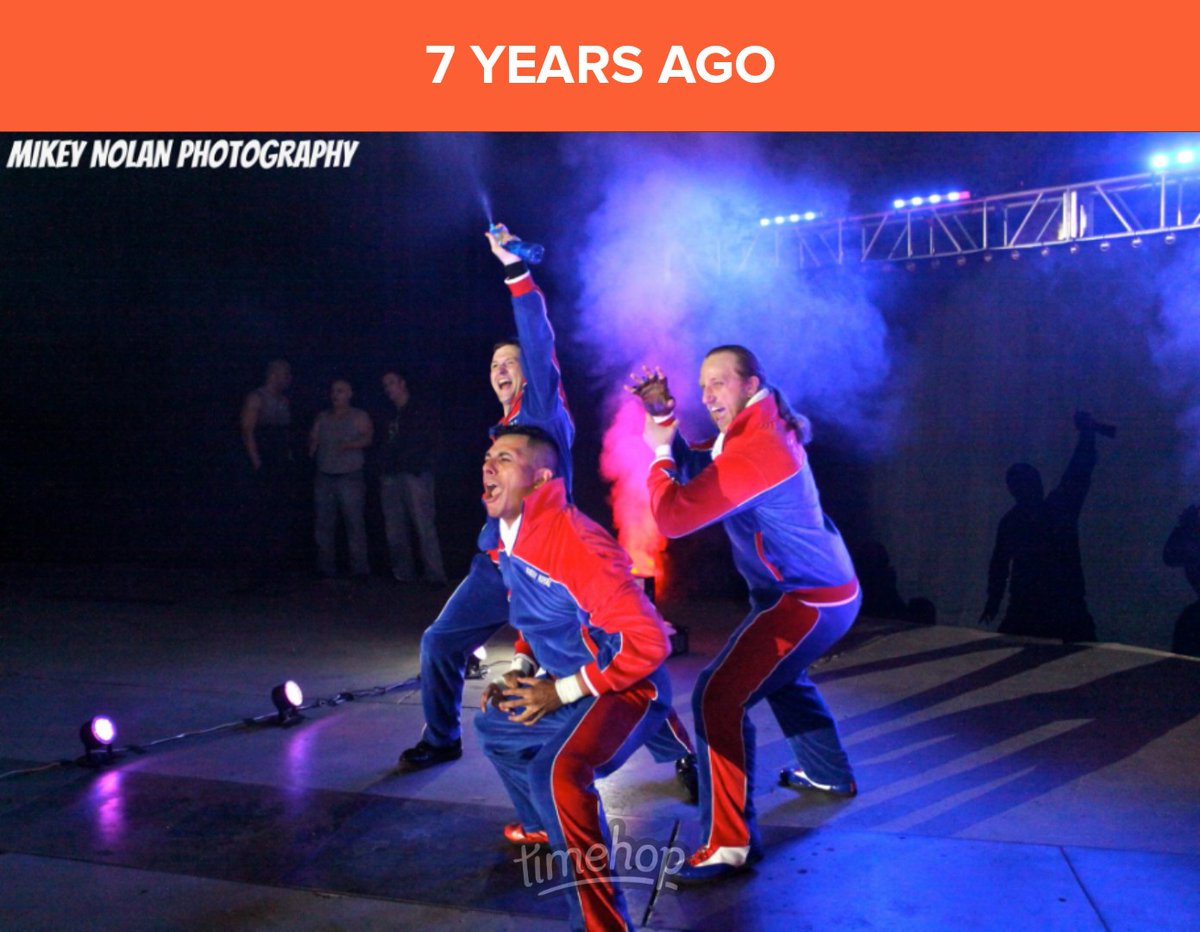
point(1129, 208)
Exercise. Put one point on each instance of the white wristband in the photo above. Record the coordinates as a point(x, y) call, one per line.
point(568, 689)
point(663, 452)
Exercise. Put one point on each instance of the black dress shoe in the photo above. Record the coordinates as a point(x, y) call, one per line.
point(423, 754)
point(688, 777)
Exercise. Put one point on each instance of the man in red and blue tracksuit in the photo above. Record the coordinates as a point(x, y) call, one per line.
point(528, 383)
point(756, 480)
point(585, 621)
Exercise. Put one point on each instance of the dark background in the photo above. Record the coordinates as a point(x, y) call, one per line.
point(137, 307)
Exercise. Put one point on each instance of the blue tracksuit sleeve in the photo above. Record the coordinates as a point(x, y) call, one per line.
point(542, 398)
point(689, 460)
point(542, 401)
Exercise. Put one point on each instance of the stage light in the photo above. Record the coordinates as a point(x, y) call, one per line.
point(1185, 156)
point(987, 257)
point(1169, 239)
point(1045, 251)
point(1159, 161)
point(917, 201)
point(958, 196)
point(1105, 246)
point(899, 203)
point(765, 222)
point(780, 219)
point(287, 698)
point(475, 669)
point(1136, 242)
point(1014, 255)
point(810, 215)
point(1073, 249)
point(97, 734)
point(910, 266)
point(794, 218)
point(960, 261)
point(935, 199)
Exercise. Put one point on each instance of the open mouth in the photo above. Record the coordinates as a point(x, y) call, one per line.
point(504, 384)
point(490, 491)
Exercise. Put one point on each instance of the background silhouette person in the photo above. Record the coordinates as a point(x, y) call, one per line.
point(411, 444)
point(337, 440)
point(266, 432)
point(1183, 549)
point(1039, 538)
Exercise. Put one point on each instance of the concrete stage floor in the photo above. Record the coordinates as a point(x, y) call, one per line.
point(1005, 784)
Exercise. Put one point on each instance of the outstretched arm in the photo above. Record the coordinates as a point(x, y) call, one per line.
point(661, 430)
point(1077, 477)
point(727, 485)
point(542, 397)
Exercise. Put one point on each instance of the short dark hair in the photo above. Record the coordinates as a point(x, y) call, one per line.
point(499, 343)
point(538, 440)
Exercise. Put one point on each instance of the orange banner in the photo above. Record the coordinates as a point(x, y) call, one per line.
point(619, 65)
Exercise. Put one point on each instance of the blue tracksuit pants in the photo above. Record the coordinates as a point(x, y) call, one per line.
point(475, 611)
point(549, 769)
point(767, 657)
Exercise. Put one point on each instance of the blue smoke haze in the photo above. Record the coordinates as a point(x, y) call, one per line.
point(650, 292)
point(1175, 345)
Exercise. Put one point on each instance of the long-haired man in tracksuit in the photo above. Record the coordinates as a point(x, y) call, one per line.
point(528, 383)
point(756, 480)
point(589, 626)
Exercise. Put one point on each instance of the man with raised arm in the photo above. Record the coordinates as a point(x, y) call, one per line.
point(528, 384)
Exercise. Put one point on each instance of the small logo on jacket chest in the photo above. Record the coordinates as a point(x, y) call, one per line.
point(540, 578)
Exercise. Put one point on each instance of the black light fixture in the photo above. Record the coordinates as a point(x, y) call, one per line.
point(287, 698)
point(97, 734)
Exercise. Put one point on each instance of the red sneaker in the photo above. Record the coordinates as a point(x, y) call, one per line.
point(516, 834)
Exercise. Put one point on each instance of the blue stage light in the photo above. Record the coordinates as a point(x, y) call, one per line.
point(1159, 161)
point(765, 222)
point(780, 219)
point(810, 215)
point(794, 218)
point(935, 199)
point(899, 203)
point(917, 201)
point(1185, 156)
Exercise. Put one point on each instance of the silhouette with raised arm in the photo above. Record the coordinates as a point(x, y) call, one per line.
point(1039, 538)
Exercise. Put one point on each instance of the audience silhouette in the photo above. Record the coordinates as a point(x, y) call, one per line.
point(1039, 539)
